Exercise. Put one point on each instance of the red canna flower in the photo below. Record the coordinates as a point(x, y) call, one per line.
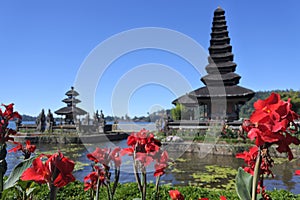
point(145, 149)
point(176, 195)
point(57, 170)
point(260, 189)
point(144, 145)
point(263, 135)
point(91, 180)
point(129, 151)
point(297, 172)
point(274, 113)
point(161, 164)
point(104, 156)
point(250, 159)
point(270, 123)
point(247, 125)
point(115, 156)
point(221, 198)
point(273, 109)
point(144, 159)
point(9, 113)
point(139, 138)
point(27, 150)
point(31, 148)
point(99, 156)
point(143, 142)
point(152, 145)
point(19, 147)
point(283, 145)
point(5, 117)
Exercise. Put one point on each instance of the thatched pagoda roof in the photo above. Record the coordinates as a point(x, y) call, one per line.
point(71, 100)
point(70, 110)
point(72, 92)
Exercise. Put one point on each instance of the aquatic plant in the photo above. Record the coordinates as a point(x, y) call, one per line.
point(216, 177)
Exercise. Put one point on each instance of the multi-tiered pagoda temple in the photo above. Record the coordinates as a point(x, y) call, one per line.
point(71, 111)
point(221, 97)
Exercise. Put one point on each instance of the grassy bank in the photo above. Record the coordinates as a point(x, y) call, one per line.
point(129, 191)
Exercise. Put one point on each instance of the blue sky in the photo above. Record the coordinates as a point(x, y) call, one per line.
point(43, 45)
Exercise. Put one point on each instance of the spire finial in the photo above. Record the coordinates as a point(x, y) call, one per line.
point(219, 10)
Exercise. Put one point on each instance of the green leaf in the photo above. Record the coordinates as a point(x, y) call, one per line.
point(243, 184)
point(17, 172)
point(29, 191)
point(19, 188)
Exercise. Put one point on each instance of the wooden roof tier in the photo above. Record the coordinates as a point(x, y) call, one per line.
point(196, 96)
point(72, 92)
point(71, 100)
point(70, 110)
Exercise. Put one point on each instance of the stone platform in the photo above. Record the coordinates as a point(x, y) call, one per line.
point(68, 138)
point(204, 149)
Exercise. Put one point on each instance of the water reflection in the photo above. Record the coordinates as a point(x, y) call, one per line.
point(190, 168)
point(284, 177)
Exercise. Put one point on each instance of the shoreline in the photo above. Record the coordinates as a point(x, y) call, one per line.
point(173, 147)
point(36, 138)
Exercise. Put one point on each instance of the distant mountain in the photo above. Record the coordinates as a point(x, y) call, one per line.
point(245, 110)
point(28, 118)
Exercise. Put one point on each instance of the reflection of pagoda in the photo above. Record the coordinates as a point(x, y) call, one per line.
point(71, 111)
point(220, 82)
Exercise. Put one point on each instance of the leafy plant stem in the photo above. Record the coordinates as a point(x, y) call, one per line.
point(3, 164)
point(256, 175)
point(108, 187)
point(1, 184)
point(53, 192)
point(157, 187)
point(117, 176)
point(144, 192)
point(97, 190)
point(137, 177)
point(53, 189)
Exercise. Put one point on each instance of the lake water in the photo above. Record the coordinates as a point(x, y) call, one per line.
point(188, 169)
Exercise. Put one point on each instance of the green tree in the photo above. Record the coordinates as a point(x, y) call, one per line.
point(294, 96)
point(177, 111)
point(248, 108)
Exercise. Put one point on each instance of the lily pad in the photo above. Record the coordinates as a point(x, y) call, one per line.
point(80, 166)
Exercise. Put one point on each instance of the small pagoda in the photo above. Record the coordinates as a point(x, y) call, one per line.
point(71, 111)
point(221, 97)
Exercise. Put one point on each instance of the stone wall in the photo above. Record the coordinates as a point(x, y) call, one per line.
point(217, 149)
